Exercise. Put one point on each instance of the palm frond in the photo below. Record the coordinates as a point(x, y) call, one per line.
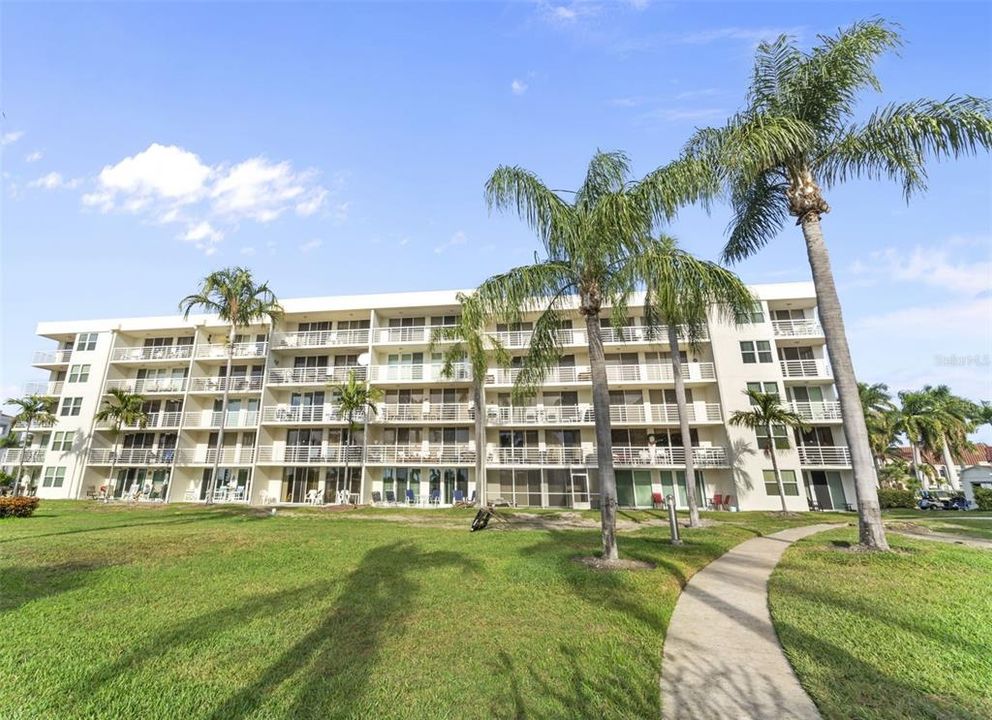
point(535, 203)
point(760, 211)
point(685, 181)
point(527, 288)
point(774, 63)
point(607, 173)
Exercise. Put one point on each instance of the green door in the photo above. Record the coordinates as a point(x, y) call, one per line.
point(642, 488)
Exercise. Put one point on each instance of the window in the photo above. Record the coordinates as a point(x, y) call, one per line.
point(79, 373)
point(71, 406)
point(769, 388)
point(86, 341)
point(54, 477)
point(755, 351)
point(63, 440)
point(778, 432)
point(757, 315)
point(788, 483)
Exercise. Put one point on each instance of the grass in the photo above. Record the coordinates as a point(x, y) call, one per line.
point(967, 524)
point(878, 636)
point(193, 612)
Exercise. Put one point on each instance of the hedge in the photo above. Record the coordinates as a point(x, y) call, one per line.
point(983, 498)
point(895, 498)
point(17, 506)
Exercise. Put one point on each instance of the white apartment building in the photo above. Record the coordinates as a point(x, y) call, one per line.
point(286, 442)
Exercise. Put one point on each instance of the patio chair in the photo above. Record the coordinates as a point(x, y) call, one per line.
point(717, 502)
point(411, 499)
point(313, 497)
point(91, 493)
point(459, 496)
point(390, 497)
point(728, 502)
point(658, 500)
point(376, 497)
point(434, 498)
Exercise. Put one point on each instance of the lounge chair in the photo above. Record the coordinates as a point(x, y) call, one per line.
point(376, 497)
point(411, 499)
point(434, 498)
point(390, 497)
point(459, 496)
point(728, 502)
point(717, 502)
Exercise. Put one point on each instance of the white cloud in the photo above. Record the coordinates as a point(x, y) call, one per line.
point(457, 239)
point(54, 181)
point(159, 172)
point(9, 138)
point(310, 245)
point(567, 14)
point(263, 191)
point(749, 35)
point(928, 266)
point(204, 236)
point(684, 114)
point(34, 156)
point(249, 251)
point(518, 87)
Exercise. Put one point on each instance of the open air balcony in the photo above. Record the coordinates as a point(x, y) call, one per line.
point(642, 372)
point(421, 454)
point(153, 421)
point(302, 414)
point(622, 456)
point(805, 369)
point(461, 372)
point(132, 456)
point(837, 456)
point(315, 375)
point(148, 386)
point(309, 454)
point(797, 328)
point(149, 354)
point(823, 411)
point(238, 351)
point(320, 339)
point(234, 384)
point(425, 412)
point(211, 419)
point(53, 388)
point(12, 456)
point(52, 357)
point(203, 455)
point(520, 339)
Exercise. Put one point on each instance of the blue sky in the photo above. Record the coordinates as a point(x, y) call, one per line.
point(342, 148)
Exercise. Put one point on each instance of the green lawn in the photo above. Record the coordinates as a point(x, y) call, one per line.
point(192, 612)
point(970, 524)
point(901, 635)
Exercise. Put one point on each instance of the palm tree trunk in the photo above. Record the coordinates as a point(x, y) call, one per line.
point(870, 530)
point(347, 453)
point(921, 477)
point(20, 463)
point(952, 471)
point(223, 416)
point(604, 439)
point(690, 471)
point(479, 398)
point(113, 466)
point(775, 468)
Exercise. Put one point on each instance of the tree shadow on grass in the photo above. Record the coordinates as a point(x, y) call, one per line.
point(329, 667)
point(22, 585)
point(184, 519)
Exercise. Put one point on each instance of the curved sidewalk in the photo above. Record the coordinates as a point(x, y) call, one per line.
point(722, 657)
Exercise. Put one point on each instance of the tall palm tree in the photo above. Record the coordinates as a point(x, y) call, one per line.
point(681, 292)
point(357, 400)
point(798, 135)
point(954, 417)
point(593, 246)
point(238, 300)
point(877, 407)
point(122, 408)
point(767, 413)
point(471, 342)
point(33, 410)
point(883, 429)
point(916, 420)
point(983, 414)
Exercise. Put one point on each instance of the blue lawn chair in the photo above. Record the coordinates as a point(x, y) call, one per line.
point(390, 497)
point(459, 496)
point(411, 499)
point(435, 497)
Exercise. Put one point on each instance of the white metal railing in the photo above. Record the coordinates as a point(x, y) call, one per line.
point(44, 388)
point(805, 368)
point(424, 412)
point(161, 352)
point(309, 454)
point(12, 456)
point(824, 455)
point(52, 357)
point(144, 386)
point(219, 384)
point(219, 351)
point(540, 456)
point(410, 334)
point(320, 338)
point(659, 372)
point(315, 375)
point(152, 420)
point(642, 333)
point(211, 419)
point(208, 456)
point(622, 456)
point(456, 454)
point(540, 414)
point(797, 328)
point(816, 411)
point(417, 373)
point(507, 376)
point(305, 414)
point(697, 412)
point(132, 456)
point(515, 339)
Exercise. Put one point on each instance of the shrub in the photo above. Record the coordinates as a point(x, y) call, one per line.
point(983, 498)
point(17, 506)
point(892, 498)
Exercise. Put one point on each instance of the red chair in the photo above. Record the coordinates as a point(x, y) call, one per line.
point(728, 502)
point(717, 502)
point(658, 500)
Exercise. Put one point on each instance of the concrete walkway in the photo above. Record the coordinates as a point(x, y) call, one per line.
point(722, 657)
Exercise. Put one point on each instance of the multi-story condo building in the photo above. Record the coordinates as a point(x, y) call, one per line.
point(286, 441)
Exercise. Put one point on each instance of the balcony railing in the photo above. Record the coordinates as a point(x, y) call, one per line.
point(515, 339)
point(219, 351)
point(208, 456)
point(132, 456)
point(320, 338)
point(211, 419)
point(697, 412)
point(418, 373)
point(805, 368)
point(622, 456)
point(540, 415)
point(405, 335)
point(817, 411)
point(146, 386)
point(309, 454)
point(153, 420)
point(52, 357)
point(12, 456)
point(143, 354)
point(797, 328)
point(642, 334)
point(315, 375)
point(540, 456)
point(425, 412)
point(234, 384)
point(44, 388)
point(825, 455)
point(306, 414)
point(432, 454)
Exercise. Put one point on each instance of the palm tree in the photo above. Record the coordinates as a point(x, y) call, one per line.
point(593, 248)
point(883, 429)
point(123, 408)
point(877, 407)
point(983, 414)
point(765, 414)
point(34, 410)
point(471, 342)
point(234, 296)
point(954, 417)
point(797, 135)
point(682, 290)
point(356, 400)
point(917, 421)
